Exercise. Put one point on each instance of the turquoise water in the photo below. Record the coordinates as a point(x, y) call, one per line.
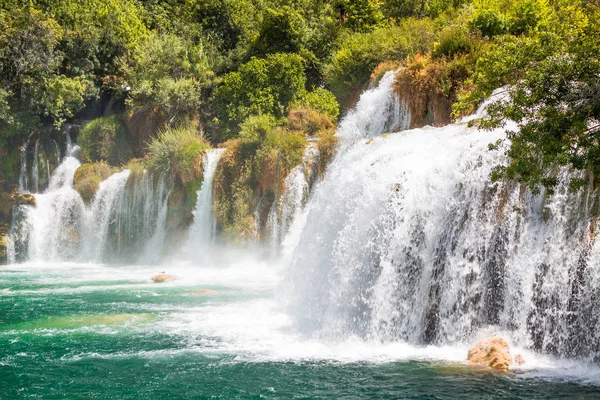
point(91, 331)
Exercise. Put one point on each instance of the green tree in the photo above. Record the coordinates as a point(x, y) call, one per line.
point(261, 86)
point(553, 95)
point(168, 72)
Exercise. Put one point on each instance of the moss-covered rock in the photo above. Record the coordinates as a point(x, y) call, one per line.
point(255, 167)
point(88, 177)
point(106, 139)
point(430, 86)
point(178, 154)
point(4, 227)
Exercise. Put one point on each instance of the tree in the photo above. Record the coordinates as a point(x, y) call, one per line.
point(261, 86)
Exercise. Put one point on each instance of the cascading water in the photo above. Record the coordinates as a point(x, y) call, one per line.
point(285, 210)
point(202, 231)
point(125, 222)
point(407, 239)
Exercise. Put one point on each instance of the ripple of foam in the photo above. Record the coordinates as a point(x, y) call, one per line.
point(245, 274)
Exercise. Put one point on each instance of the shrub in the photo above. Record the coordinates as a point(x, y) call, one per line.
point(169, 72)
point(322, 101)
point(360, 53)
point(178, 153)
point(527, 15)
point(105, 139)
point(308, 121)
point(453, 41)
point(489, 22)
point(257, 127)
point(281, 32)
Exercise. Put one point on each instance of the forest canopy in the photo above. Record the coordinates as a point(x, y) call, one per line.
point(213, 64)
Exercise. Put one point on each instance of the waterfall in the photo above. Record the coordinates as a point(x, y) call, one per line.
point(289, 205)
point(23, 179)
point(124, 223)
point(378, 110)
point(202, 231)
point(35, 168)
point(407, 239)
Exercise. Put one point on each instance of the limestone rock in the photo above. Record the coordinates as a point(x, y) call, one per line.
point(493, 353)
point(162, 277)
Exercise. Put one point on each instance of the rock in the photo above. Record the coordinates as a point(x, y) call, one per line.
point(162, 277)
point(26, 199)
point(493, 353)
point(204, 291)
point(519, 360)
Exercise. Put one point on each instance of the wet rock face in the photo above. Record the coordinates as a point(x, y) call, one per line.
point(493, 353)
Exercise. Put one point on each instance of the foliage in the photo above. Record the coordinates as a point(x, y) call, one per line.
point(281, 32)
point(360, 53)
point(105, 139)
point(453, 41)
point(257, 127)
point(552, 96)
point(489, 22)
point(360, 15)
point(178, 154)
point(168, 72)
point(261, 86)
point(322, 101)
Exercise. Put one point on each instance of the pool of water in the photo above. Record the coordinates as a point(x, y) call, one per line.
point(94, 331)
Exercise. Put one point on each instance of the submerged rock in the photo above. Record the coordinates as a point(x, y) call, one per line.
point(493, 353)
point(162, 277)
point(204, 291)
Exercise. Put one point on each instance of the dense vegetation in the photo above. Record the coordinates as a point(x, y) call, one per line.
point(142, 70)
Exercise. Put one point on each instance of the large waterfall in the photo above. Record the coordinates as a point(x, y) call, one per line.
point(407, 239)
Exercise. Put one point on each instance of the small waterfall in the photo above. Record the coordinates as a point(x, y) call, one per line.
point(378, 110)
point(407, 239)
point(102, 216)
point(35, 175)
point(23, 178)
point(202, 231)
point(124, 223)
point(296, 189)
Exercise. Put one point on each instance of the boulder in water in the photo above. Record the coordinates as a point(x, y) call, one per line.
point(162, 277)
point(493, 353)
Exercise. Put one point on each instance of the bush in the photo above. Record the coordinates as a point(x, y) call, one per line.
point(360, 53)
point(281, 32)
point(322, 101)
point(178, 153)
point(527, 15)
point(168, 72)
point(257, 127)
point(453, 41)
point(489, 22)
point(105, 139)
point(308, 121)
